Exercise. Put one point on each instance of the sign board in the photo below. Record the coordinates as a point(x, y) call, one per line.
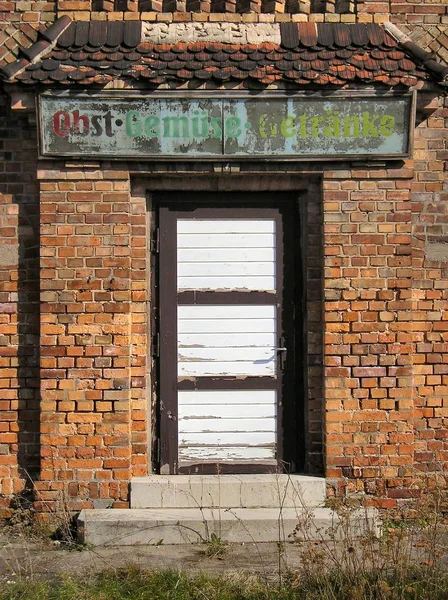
point(266, 126)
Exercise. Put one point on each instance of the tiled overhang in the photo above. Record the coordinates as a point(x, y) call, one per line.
point(99, 52)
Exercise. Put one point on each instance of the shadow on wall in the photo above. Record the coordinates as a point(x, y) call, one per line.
point(19, 290)
point(312, 236)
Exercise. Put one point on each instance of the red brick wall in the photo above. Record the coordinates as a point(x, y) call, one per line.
point(385, 312)
point(379, 418)
point(93, 337)
point(19, 303)
point(430, 195)
point(381, 406)
point(369, 341)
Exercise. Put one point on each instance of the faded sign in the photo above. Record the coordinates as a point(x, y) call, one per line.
point(294, 127)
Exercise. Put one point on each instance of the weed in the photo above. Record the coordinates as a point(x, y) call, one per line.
point(403, 562)
point(57, 528)
point(216, 547)
point(134, 584)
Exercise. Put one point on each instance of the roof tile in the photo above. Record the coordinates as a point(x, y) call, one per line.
point(98, 52)
point(98, 34)
point(307, 34)
point(342, 37)
point(114, 33)
point(358, 34)
point(81, 33)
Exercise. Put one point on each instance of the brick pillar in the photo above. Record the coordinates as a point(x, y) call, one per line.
point(368, 333)
point(87, 335)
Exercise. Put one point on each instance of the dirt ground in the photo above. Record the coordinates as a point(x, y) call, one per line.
point(24, 557)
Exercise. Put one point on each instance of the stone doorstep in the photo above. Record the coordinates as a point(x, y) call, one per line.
point(227, 491)
point(128, 527)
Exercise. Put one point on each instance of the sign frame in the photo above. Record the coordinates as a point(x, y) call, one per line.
point(217, 94)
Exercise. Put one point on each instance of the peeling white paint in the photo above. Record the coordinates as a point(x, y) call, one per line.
point(227, 340)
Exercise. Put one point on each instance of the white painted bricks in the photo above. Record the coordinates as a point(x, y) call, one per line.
point(227, 33)
point(227, 491)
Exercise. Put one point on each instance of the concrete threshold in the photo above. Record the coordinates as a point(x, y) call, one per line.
point(128, 527)
point(227, 491)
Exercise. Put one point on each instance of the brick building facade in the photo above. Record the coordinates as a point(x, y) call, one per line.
point(80, 413)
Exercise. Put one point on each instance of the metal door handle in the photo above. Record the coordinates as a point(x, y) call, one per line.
point(281, 349)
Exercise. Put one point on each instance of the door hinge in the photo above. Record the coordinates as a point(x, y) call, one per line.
point(155, 242)
point(156, 345)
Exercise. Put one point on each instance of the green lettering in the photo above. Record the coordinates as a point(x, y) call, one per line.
point(233, 127)
point(287, 127)
point(262, 126)
point(152, 126)
point(315, 125)
point(350, 131)
point(369, 129)
point(332, 128)
point(303, 130)
point(216, 132)
point(387, 125)
point(133, 123)
point(200, 125)
point(172, 126)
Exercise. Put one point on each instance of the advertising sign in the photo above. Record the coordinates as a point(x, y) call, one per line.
point(286, 127)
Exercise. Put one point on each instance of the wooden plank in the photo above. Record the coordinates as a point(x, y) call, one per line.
point(229, 383)
point(225, 410)
point(213, 297)
point(168, 342)
point(224, 397)
point(226, 326)
point(227, 453)
point(222, 340)
point(239, 438)
point(226, 283)
point(233, 269)
point(204, 368)
point(226, 240)
point(208, 226)
point(228, 354)
point(222, 425)
point(225, 255)
point(216, 311)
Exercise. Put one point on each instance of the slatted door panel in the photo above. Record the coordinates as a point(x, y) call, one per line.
point(211, 356)
point(233, 256)
point(226, 254)
point(220, 402)
point(220, 412)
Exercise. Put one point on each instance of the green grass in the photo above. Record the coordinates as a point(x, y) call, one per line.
point(133, 584)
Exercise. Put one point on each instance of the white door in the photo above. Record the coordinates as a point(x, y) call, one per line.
point(222, 339)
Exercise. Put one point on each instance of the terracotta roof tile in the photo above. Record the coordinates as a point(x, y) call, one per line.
point(307, 34)
point(94, 52)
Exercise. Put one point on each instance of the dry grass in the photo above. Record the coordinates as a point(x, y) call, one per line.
point(408, 561)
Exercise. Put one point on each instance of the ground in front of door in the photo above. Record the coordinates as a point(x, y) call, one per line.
point(22, 558)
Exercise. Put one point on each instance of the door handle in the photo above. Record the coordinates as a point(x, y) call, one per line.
point(281, 353)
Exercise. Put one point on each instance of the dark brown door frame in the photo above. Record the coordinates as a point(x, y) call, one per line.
point(290, 401)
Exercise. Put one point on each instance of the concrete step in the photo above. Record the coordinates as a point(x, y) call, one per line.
point(127, 527)
point(227, 491)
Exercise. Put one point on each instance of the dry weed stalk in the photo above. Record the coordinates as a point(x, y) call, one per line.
point(403, 563)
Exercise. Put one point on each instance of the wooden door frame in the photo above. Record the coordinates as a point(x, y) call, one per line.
point(168, 206)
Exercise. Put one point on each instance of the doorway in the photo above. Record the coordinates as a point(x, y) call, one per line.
point(228, 285)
